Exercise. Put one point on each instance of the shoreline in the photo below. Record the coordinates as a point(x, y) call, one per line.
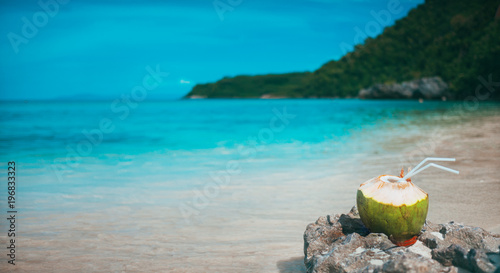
point(275, 97)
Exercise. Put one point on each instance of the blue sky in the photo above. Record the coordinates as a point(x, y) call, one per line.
point(101, 48)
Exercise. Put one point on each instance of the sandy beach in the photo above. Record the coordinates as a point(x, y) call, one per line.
point(256, 225)
point(473, 196)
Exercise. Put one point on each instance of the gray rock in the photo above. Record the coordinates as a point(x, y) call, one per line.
point(341, 243)
point(425, 88)
point(452, 255)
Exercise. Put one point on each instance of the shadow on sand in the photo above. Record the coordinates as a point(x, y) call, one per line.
point(293, 265)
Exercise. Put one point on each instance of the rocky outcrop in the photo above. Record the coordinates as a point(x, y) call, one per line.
point(341, 243)
point(424, 88)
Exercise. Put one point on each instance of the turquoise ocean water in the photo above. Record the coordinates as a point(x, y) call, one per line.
point(60, 149)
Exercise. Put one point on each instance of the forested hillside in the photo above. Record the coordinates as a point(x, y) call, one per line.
point(456, 40)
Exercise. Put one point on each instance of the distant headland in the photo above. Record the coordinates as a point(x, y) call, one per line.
point(457, 41)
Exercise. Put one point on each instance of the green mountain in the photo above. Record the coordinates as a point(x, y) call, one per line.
point(456, 40)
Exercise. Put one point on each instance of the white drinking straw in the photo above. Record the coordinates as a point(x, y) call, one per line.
point(417, 169)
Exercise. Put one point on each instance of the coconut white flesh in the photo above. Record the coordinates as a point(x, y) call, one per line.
point(384, 189)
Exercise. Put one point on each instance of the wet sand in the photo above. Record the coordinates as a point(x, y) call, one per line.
point(256, 225)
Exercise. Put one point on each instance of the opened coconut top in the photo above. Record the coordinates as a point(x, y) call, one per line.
point(391, 190)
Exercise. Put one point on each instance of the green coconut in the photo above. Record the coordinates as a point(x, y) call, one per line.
point(395, 208)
